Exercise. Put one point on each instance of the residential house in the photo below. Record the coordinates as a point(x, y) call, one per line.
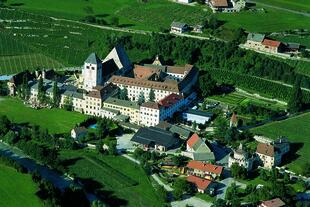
point(200, 117)
point(254, 41)
point(241, 157)
point(271, 46)
point(155, 138)
point(204, 170)
point(202, 185)
point(78, 132)
point(178, 27)
point(276, 202)
point(197, 149)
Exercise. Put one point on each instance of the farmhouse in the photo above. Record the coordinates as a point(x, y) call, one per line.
point(197, 149)
point(202, 185)
point(178, 27)
point(226, 5)
point(155, 138)
point(261, 43)
point(270, 154)
point(204, 170)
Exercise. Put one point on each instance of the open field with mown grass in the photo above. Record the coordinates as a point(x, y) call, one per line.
point(297, 5)
point(55, 120)
point(297, 130)
point(17, 189)
point(270, 20)
point(121, 180)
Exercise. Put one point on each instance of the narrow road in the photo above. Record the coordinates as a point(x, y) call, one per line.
point(157, 179)
point(280, 8)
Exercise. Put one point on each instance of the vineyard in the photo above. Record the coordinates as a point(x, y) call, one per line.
point(263, 86)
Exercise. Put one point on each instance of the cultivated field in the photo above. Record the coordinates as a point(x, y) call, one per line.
point(55, 120)
point(296, 5)
point(297, 130)
point(134, 14)
point(17, 189)
point(122, 180)
point(238, 98)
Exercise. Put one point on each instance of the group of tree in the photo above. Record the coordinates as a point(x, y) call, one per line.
point(181, 187)
point(238, 171)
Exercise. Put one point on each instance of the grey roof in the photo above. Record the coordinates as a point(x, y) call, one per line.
point(181, 131)
point(291, 45)
point(73, 94)
point(256, 37)
point(123, 103)
point(93, 59)
point(110, 110)
point(153, 135)
point(178, 24)
point(203, 156)
point(122, 118)
point(199, 113)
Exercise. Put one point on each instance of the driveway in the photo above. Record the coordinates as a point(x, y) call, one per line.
point(192, 201)
point(124, 143)
point(224, 184)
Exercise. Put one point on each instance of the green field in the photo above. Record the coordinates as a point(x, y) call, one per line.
point(297, 130)
point(270, 20)
point(297, 5)
point(126, 180)
point(17, 189)
point(55, 120)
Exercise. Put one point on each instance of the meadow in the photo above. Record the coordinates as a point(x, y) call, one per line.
point(17, 189)
point(122, 181)
point(297, 5)
point(297, 130)
point(54, 120)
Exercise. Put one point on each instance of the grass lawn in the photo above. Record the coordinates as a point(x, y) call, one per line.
point(297, 130)
point(125, 180)
point(297, 5)
point(17, 189)
point(55, 120)
point(272, 20)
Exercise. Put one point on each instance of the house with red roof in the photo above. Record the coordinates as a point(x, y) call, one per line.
point(197, 149)
point(271, 46)
point(204, 170)
point(276, 202)
point(202, 185)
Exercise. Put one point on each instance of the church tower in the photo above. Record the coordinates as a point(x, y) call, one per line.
point(92, 72)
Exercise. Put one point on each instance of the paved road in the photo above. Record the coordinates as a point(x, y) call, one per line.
point(58, 180)
point(224, 184)
point(281, 8)
point(192, 201)
point(157, 179)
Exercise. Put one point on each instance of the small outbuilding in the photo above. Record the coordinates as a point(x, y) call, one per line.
point(178, 27)
point(78, 132)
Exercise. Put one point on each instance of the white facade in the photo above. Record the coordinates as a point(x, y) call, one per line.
point(92, 74)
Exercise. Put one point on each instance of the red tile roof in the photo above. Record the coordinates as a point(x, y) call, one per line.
point(271, 43)
point(206, 167)
point(170, 100)
point(151, 105)
point(265, 149)
point(201, 184)
point(192, 140)
point(179, 69)
point(276, 202)
point(145, 72)
point(233, 118)
point(219, 3)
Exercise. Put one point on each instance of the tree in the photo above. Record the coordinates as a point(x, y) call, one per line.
point(141, 98)
point(181, 186)
point(213, 22)
point(101, 129)
point(219, 203)
point(207, 85)
point(123, 94)
point(68, 104)
point(112, 148)
point(238, 171)
point(2, 2)
point(115, 21)
point(56, 95)
point(152, 95)
point(5, 124)
point(295, 102)
point(10, 137)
